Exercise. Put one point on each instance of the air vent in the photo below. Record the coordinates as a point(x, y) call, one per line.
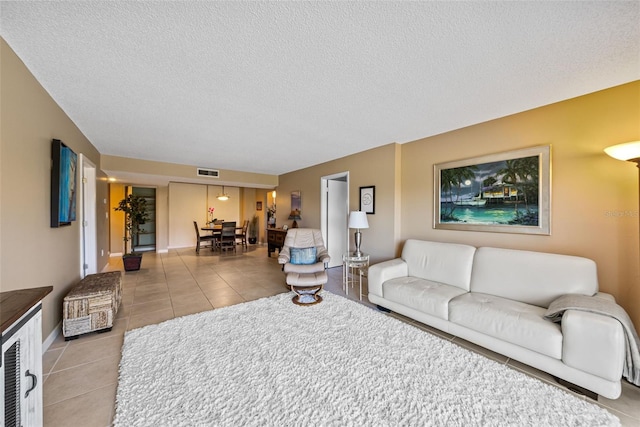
point(209, 173)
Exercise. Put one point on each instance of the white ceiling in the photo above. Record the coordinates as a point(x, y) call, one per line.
point(272, 87)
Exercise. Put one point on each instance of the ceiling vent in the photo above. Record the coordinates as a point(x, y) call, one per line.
point(209, 173)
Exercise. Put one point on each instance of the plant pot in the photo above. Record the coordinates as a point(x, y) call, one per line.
point(132, 262)
point(253, 240)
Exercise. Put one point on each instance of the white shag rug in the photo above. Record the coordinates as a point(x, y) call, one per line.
point(338, 363)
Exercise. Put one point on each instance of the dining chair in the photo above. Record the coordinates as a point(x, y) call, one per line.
point(202, 239)
point(241, 234)
point(228, 236)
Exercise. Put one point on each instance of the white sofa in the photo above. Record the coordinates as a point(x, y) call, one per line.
point(497, 298)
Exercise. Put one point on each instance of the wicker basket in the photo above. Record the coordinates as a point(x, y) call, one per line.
point(92, 304)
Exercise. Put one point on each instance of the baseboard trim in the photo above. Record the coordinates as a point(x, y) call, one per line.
point(52, 337)
point(115, 254)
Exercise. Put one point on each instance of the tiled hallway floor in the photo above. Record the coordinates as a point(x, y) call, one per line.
point(81, 375)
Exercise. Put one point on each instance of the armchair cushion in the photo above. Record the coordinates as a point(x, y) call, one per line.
point(303, 255)
point(303, 268)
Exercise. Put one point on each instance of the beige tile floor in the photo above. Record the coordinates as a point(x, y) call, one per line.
point(81, 376)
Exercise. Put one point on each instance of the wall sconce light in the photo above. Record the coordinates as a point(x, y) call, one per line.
point(223, 196)
point(358, 220)
point(273, 194)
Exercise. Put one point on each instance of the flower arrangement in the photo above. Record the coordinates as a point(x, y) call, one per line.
point(271, 215)
point(211, 218)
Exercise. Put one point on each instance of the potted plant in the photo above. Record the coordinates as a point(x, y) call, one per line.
point(253, 229)
point(135, 210)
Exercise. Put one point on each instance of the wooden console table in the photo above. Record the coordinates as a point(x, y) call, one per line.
point(275, 239)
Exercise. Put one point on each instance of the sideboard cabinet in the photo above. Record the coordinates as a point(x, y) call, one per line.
point(21, 363)
point(275, 239)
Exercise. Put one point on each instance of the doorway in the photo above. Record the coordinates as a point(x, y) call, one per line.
point(147, 236)
point(334, 208)
point(88, 232)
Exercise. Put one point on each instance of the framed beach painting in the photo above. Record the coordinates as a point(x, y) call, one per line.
point(64, 164)
point(506, 192)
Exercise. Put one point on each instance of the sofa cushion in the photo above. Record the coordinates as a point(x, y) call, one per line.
point(423, 295)
point(512, 321)
point(532, 277)
point(448, 263)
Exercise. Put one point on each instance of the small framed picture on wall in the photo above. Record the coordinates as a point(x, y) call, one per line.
point(258, 206)
point(368, 199)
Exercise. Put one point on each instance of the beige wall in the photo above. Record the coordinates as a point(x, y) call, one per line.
point(32, 253)
point(376, 167)
point(183, 173)
point(116, 229)
point(594, 197)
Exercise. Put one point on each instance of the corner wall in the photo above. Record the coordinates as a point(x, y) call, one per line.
point(377, 167)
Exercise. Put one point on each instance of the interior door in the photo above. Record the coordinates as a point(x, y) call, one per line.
point(337, 214)
point(89, 225)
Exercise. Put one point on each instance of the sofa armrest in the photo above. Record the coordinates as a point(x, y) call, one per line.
point(606, 296)
point(323, 255)
point(383, 271)
point(284, 255)
point(593, 343)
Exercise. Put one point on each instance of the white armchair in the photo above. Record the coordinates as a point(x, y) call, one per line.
point(305, 258)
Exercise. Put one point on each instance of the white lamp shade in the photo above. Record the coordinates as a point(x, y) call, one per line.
point(358, 219)
point(626, 151)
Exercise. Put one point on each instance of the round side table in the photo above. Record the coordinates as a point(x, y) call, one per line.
point(354, 264)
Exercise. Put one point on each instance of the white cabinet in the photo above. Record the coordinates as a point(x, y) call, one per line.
point(21, 378)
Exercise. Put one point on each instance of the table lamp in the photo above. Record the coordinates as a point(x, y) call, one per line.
point(358, 220)
point(295, 216)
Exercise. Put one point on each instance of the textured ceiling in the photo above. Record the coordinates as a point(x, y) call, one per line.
point(273, 87)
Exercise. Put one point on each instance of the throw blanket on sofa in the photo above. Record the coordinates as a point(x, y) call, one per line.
point(631, 370)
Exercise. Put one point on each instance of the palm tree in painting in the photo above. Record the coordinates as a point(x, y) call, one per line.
point(451, 179)
point(523, 174)
point(489, 182)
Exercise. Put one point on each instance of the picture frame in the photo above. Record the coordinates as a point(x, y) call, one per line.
point(368, 199)
point(258, 206)
point(508, 192)
point(64, 164)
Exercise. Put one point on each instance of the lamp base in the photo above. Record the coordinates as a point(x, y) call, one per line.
point(357, 239)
